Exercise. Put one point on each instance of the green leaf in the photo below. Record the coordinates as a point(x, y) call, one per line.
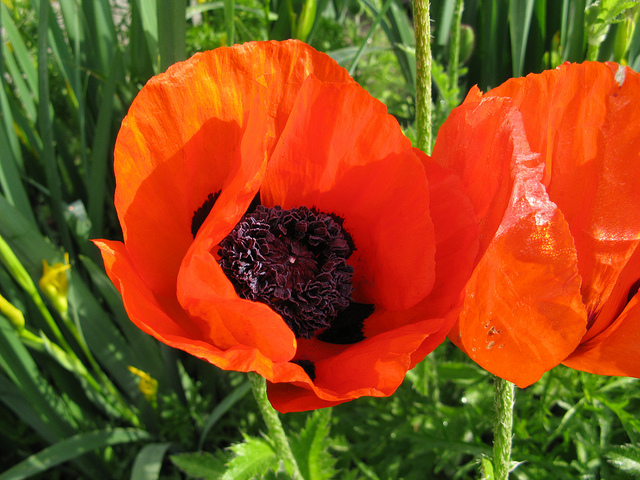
point(148, 462)
point(21, 369)
point(102, 145)
point(222, 408)
point(519, 22)
point(149, 20)
point(254, 457)
point(173, 25)
point(71, 448)
point(310, 447)
point(572, 34)
point(487, 468)
point(626, 458)
point(202, 465)
point(45, 127)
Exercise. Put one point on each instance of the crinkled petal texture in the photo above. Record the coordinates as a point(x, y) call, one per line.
point(283, 123)
point(583, 229)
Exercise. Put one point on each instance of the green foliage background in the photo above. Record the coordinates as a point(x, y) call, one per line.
point(69, 405)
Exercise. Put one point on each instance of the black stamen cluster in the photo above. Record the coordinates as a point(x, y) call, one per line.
point(294, 261)
point(200, 215)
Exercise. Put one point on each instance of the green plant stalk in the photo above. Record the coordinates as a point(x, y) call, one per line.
point(423, 74)
point(454, 51)
point(106, 381)
point(274, 425)
point(229, 21)
point(503, 428)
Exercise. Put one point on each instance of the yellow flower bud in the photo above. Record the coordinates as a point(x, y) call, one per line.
point(12, 313)
point(54, 283)
point(148, 385)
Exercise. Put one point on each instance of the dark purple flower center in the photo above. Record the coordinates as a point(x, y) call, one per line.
point(293, 260)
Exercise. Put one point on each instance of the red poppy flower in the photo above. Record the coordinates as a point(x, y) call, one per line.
point(276, 220)
point(551, 163)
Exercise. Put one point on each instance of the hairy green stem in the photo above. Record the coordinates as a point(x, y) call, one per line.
point(274, 425)
point(503, 428)
point(423, 74)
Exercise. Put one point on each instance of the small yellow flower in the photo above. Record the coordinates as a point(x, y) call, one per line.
point(12, 313)
point(148, 385)
point(54, 283)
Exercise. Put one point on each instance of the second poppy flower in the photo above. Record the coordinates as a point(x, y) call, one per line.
point(551, 163)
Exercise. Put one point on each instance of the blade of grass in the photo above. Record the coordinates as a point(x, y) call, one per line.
point(10, 179)
point(173, 25)
point(25, 60)
point(101, 148)
point(18, 364)
point(379, 15)
point(572, 37)
point(51, 35)
point(148, 462)
point(11, 159)
point(45, 128)
point(18, 80)
point(445, 23)
point(71, 448)
point(147, 10)
point(519, 22)
point(101, 35)
point(222, 408)
point(492, 38)
point(15, 399)
point(400, 34)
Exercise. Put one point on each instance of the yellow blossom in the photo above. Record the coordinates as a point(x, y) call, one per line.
point(54, 283)
point(148, 385)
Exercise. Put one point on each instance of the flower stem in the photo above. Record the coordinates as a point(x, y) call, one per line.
point(274, 425)
point(503, 428)
point(454, 53)
point(423, 74)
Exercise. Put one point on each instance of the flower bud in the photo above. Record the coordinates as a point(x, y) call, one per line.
point(54, 283)
point(12, 313)
point(148, 385)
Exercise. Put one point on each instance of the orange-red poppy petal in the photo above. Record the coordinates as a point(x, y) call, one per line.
point(456, 236)
point(359, 166)
point(374, 367)
point(589, 138)
point(615, 350)
point(523, 298)
point(163, 318)
point(178, 142)
point(207, 294)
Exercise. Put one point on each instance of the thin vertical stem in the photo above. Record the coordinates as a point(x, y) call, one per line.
point(454, 52)
point(503, 429)
point(423, 74)
point(274, 425)
point(229, 21)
